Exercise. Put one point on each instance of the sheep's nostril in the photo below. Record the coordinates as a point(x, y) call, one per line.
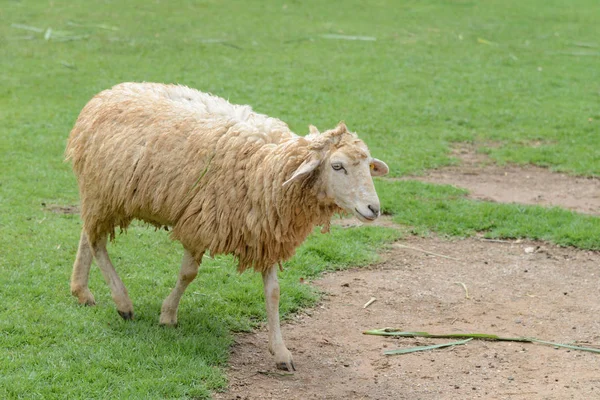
point(374, 210)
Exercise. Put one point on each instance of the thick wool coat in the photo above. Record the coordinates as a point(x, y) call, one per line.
point(214, 172)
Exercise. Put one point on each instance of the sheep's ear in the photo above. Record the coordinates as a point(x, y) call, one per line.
point(305, 168)
point(312, 130)
point(341, 127)
point(378, 167)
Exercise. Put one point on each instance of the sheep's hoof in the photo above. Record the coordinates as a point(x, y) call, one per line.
point(284, 361)
point(167, 319)
point(126, 315)
point(89, 302)
point(286, 366)
point(84, 296)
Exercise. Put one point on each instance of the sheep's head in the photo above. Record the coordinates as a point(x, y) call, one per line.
point(345, 170)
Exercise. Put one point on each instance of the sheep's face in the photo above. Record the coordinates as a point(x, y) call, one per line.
point(347, 179)
point(345, 170)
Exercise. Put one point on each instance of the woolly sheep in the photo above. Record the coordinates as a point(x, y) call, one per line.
point(224, 178)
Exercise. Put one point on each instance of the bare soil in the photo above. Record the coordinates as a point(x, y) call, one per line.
point(61, 209)
point(514, 288)
point(517, 184)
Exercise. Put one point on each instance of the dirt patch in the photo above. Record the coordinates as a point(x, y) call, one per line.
point(61, 209)
point(515, 289)
point(517, 184)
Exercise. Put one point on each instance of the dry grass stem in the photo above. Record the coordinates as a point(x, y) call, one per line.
point(464, 287)
point(425, 251)
point(368, 303)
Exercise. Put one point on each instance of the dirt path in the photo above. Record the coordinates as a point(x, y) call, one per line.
point(551, 293)
point(516, 184)
point(515, 289)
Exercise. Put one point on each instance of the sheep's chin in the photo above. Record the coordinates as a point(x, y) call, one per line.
point(362, 218)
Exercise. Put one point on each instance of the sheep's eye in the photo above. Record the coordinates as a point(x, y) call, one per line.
point(337, 166)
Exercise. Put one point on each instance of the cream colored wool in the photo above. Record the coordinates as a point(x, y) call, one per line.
point(215, 172)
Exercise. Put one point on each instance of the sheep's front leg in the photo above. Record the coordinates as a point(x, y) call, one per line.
point(283, 357)
point(189, 270)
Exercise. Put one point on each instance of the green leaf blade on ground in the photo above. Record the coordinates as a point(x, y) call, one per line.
point(467, 336)
point(425, 348)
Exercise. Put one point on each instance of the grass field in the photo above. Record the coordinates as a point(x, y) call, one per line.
point(519, 79)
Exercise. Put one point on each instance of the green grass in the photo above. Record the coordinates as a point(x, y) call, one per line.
point(54, 348)
point(517, 78)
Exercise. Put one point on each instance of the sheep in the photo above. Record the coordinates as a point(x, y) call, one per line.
point(224, 178)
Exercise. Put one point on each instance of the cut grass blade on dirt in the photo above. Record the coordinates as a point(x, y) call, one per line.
point(425, 348)
point(480, 336)
point(464, 287)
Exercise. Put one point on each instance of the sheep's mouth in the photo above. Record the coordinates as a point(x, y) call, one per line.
point(364, 217)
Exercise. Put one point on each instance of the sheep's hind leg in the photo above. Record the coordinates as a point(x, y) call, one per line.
point(283, 357)
point(117, 289)
point(189, 270)
point(81, 272)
